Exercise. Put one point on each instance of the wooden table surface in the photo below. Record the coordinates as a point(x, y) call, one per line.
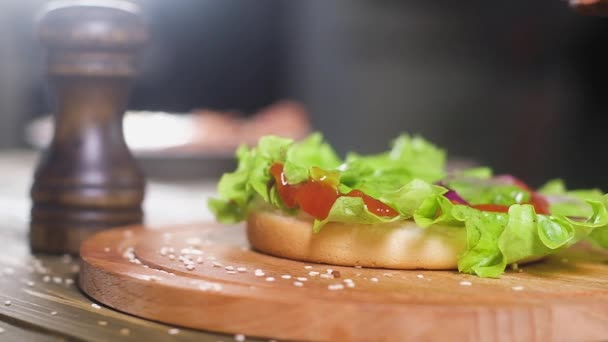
point(39, 299)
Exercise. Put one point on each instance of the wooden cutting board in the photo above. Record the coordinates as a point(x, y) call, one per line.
point(141, 271)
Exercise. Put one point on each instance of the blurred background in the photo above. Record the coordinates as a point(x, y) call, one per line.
point(519, 85)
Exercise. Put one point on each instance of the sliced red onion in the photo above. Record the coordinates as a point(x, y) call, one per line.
point(454, 197)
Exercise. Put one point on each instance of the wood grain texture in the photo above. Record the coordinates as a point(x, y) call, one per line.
point(29, 317)
point(564, 298)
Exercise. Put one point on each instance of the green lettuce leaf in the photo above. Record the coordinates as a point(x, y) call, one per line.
point(350, 210)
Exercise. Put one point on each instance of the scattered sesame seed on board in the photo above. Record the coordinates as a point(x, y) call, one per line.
point(69, 281)
point(308, 267)
point(358, 266)
point(302, 278)
point(229, 268)
point(125, 331)
point(517, 288)
point(7, 302)
point(95, 306)
point(239, 337)
point(270, 279)
point(374, 279)
point(298, 283)
point(216, 264)
point(419, 276)
point(46, 278)
point(313, 273)
point(190, 267)
point(102, 323)
point(329, 271)
point(326, 276)
point(231, 272)
point(53, 313)
point(106, 249)
point(466, 283)
point(258, 273)
point(173, 331)
point(2, 330)
point(335, 287)
point(241, 269)
point(286, 276)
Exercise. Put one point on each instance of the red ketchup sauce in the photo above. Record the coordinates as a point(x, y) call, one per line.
point(317, 197)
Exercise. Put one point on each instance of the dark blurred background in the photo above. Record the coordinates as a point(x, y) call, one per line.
point(519, 85)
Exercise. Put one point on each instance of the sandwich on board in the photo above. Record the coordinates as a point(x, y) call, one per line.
point(399, 209)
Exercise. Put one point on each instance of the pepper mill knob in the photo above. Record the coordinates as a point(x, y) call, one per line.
point(87, 180)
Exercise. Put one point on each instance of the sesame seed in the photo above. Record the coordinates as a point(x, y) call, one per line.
point(239, 337)
point(347, 280)
point(326, 276)
point(211, 258)
point(53, 313)
point(286, 276)
point(2, 330)
point(419, 276)
point(374, 279)
point(171, 256)
point(517, 288)
point(313, 273)
point(7, 303)
point(308, 267)
point(106, 249)
point(229, 268)
point(329, 271)
point(102, 323)
point(298, 283)
point(125, 331)
point(259, 273)
point(66, 259)
point(302, 278)
point(46, 278)
point(199, 260)
point(241, 269)
point(57, 280)
point(466, 283)
point(173, 331)
point(358, 266)
point(334, 287)
point(387, 274)
point(351, 285)
point(95, 306)
point(269, 278)
point(231, 272)
point(216, 264)
point(69, 281)
point(190, 267)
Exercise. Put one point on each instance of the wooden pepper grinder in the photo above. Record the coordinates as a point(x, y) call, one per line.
point(87, 179)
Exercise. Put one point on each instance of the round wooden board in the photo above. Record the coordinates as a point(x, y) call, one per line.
point(134, 270)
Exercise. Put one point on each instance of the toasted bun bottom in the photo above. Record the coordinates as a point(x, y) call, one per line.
point(402, 245)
